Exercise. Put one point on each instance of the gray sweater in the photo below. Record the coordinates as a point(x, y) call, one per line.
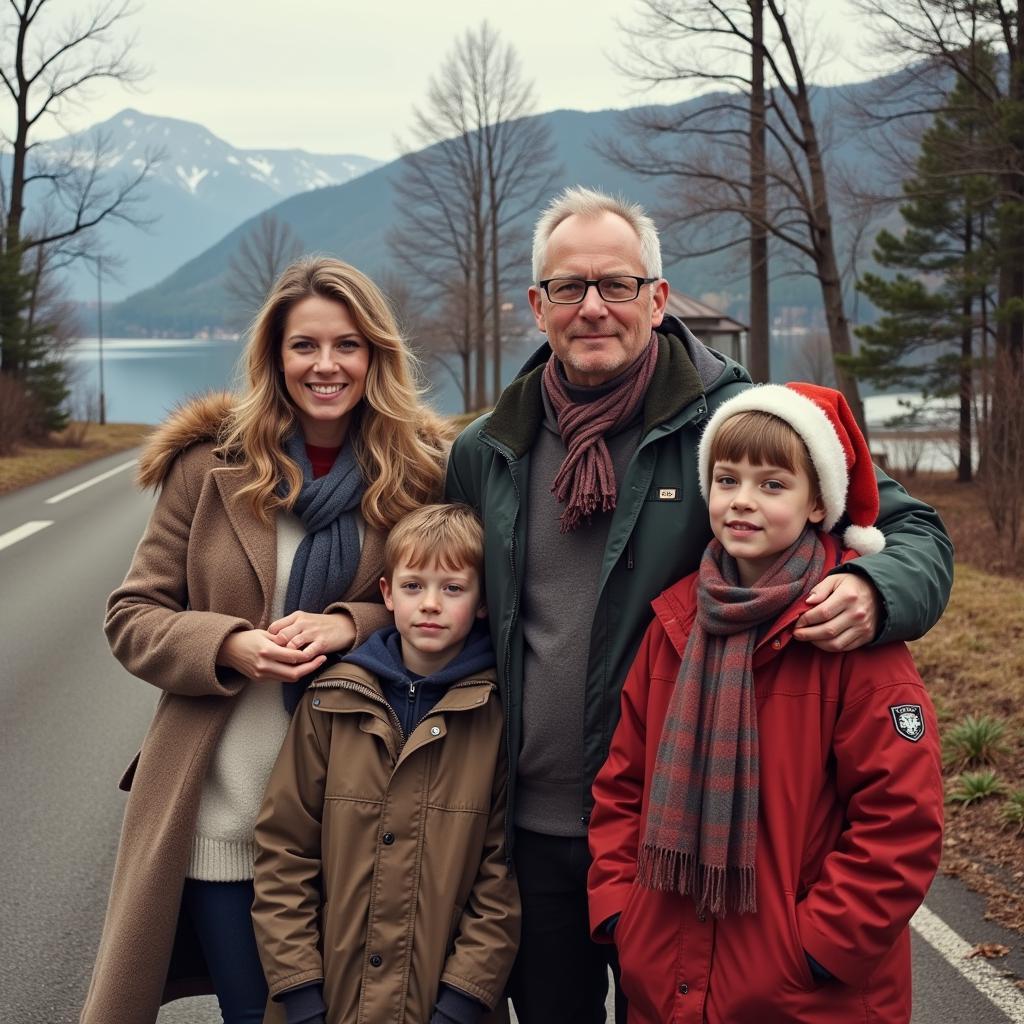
point(559, 597)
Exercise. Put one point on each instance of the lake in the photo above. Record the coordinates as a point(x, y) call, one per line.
point(144, 378)
point(147, 377)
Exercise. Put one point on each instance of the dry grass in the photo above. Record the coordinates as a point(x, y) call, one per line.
point(973, 663)
point(963, 511)
point(33, 463)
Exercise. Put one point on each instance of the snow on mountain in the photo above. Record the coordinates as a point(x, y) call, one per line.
point(193, 154)
point(199, 189)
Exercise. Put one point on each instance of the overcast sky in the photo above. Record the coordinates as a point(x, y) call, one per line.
point(341, 76)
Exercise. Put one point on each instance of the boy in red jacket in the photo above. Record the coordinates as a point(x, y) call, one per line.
point(770, 815)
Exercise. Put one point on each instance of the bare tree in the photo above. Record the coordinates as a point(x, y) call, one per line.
point(704, 155)
point(813, 359)
point(46, 66)
point(264, 251)
point(434, 334)
point(480, 164)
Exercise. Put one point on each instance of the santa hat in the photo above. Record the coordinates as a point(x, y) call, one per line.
point(838, 450)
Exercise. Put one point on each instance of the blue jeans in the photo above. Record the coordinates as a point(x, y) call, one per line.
point(220, 914)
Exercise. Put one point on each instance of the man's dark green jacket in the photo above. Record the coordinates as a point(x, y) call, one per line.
point(658, 531)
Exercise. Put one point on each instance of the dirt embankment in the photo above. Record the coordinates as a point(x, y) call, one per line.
point(973, 663)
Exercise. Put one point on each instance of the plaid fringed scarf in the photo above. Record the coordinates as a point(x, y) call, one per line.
point(585, 482)
point(702, 820)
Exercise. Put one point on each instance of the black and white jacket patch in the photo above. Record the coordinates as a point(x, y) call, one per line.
point(909, 720)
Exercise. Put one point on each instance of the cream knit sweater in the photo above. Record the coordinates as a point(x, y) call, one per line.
point(222, 848)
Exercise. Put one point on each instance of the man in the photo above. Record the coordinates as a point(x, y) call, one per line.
point(585, 475)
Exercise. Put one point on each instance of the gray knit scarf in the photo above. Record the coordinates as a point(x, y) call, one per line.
point(326, 560)
point(701, 834)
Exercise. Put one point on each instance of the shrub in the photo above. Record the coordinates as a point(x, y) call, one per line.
point(17, 411)
point(1012, 812)
point(977, 740)
point(971, 786)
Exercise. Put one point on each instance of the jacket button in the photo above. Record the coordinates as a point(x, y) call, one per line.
point(776, 644)
point(316, 702)
point(388, 838)
point(376, 959)
point(702, 917)
point(683, 988)
point(435, 730)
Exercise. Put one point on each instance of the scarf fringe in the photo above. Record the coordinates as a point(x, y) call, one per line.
point(574, 515)
point(710, 886)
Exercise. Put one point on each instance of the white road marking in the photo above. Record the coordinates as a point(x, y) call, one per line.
point(986, 978)
point(88, 483)
point(23, 531)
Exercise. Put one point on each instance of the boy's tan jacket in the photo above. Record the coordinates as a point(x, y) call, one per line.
point(204, 568)
point(416, 888)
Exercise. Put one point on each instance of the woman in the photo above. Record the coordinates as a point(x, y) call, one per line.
point(261, 558)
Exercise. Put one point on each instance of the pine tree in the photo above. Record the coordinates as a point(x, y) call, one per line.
point(945, 266)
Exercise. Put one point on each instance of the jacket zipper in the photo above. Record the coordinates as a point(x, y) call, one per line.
point(410, 708)
point(366, 691)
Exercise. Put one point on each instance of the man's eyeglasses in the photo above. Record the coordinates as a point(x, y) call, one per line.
point(569, 291)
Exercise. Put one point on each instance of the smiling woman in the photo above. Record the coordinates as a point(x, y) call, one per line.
point(261, 559)
point(324, 360)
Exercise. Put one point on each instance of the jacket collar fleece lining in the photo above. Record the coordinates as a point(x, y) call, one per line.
point(520, 411)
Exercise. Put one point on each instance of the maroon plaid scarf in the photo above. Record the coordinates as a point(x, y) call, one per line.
point(702, 819)
point(586, 479)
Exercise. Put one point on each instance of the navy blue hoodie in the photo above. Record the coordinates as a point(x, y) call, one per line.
point(410, 695)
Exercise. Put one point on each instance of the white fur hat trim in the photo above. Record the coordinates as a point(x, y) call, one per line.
point(813, 426)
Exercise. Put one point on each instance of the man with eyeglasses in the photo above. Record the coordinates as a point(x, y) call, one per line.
point(585, 475)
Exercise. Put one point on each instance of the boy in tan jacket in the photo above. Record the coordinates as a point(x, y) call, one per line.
point(383, 890)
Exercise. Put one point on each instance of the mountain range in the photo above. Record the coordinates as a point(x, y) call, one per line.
point(200, 188)
point(352, 219)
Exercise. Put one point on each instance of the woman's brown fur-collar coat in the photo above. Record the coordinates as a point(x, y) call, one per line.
point(204, 568)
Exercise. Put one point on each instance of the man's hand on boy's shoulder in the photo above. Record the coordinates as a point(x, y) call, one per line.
point(845, 615)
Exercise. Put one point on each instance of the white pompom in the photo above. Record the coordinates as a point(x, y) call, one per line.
point(866, 540)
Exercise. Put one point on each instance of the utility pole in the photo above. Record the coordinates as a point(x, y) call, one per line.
point(99, 322)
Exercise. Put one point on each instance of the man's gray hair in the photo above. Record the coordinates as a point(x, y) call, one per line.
point(587, 202)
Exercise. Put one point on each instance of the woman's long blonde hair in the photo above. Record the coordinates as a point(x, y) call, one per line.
point(400, 443)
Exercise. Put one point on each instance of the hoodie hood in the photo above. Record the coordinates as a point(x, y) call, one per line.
point(411, 697)
point(199, 420)
point(381, 654)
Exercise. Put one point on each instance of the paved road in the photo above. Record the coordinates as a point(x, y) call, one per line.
point(72, 718)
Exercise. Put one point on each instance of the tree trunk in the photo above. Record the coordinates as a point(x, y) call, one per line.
point(496, 338)
point(965, 461)
point(759, 358)
point(826, 264)
point(480, 304)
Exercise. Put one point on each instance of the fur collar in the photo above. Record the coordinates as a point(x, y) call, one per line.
point(198, 420)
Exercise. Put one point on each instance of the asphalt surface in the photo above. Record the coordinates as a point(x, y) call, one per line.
point(72, 719)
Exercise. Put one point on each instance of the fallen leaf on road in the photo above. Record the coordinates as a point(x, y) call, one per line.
point(989, 950)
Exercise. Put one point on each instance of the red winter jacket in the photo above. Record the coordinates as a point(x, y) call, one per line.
point(849, 836)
